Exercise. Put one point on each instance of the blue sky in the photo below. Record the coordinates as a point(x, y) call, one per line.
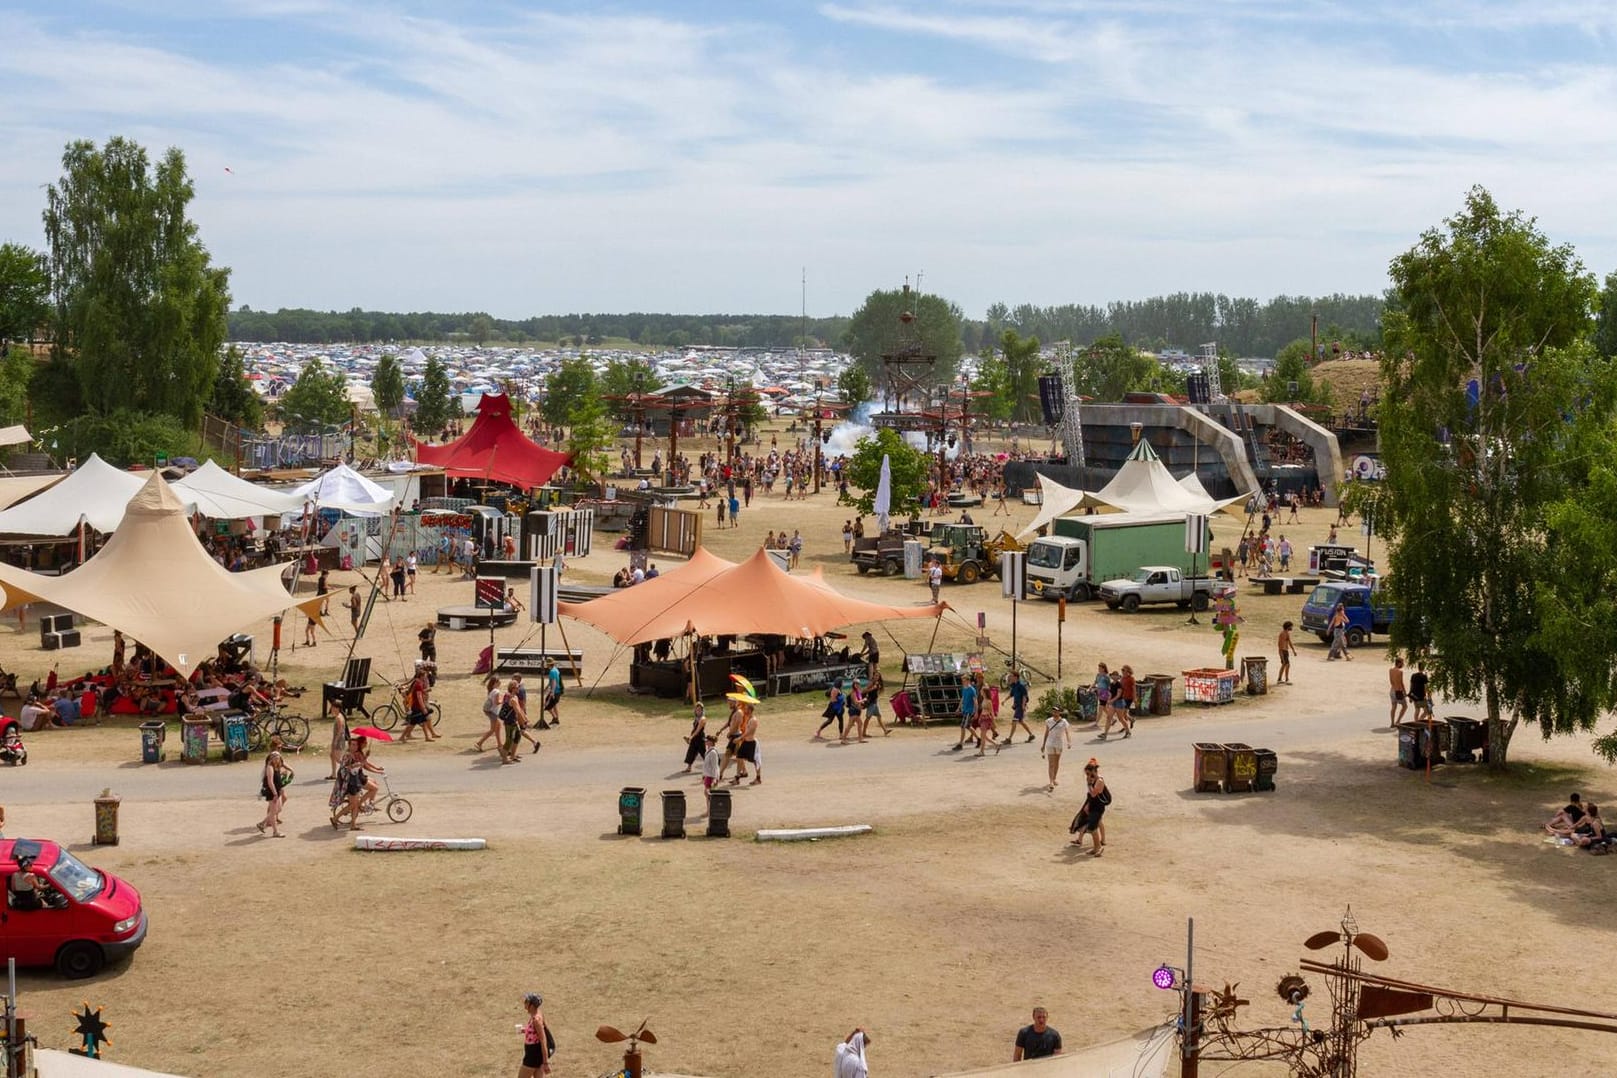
point(527, 158)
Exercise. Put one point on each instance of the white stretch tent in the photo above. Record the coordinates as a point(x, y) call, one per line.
point(217, 494)
point(1142, 485)
point(154, 581)
point(95, 492)
point(14, 488)
point(345, 489)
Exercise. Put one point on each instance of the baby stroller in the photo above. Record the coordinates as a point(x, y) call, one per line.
point(13, 753)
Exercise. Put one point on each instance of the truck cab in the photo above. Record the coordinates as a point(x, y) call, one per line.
point(1055, 567)
point(60, 912)
point(1365, 617)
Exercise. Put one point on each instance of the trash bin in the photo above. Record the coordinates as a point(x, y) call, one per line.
point(1161, 693)
point(1210, 767)
point(194, 739)
point(1256, 669)
point(233, 732)
point(1417, 745)
point(1243, 768)
point(152, 735)
point(631, 801)
point(718, 813)
point(106, 818)
point(1466, 738)
point(673, 814)
point(1088, 703)
point(1268, 763)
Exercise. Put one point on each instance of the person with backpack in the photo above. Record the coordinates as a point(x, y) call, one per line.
point(1096, 799)
point(538, 1045)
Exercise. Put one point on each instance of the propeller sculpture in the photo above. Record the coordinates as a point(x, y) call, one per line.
point(632, 1063)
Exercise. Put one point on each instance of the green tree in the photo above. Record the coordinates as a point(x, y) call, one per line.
point(317, 400)
point(909, 468)
point(387, 384)
point(1291, 368)
point(435, 405)
point(876, 330)
point(1605, 337)
point(25, 288)
point(590, 436)
point(1022, 366)
point(139, 309)
point(1110, 368)
point(1490, 584)
point(993, 386)
point(17, 368)
point(568, 390)
point(233, 396)
point(853, 385)
point(480, 329)
point(621, 380)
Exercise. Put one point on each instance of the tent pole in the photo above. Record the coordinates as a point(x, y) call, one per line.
point(578, 675)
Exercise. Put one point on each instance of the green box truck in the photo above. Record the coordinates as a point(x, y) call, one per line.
point(1083, 552)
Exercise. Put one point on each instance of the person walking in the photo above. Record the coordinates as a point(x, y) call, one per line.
point(417, 705)
point(411, 564)
point(322, 588)
point(1122, 697)
point(847, 537)
point(536, 1039)
point(1057, 739)
point(1037, 1041)
point(491, 711)
point(1338, 630)
point(833, 712)
point(276, 778)
point(696, 742)
point(710, 770)
point(427, 640)
point(934, 578)
point(735, 512)
point(1096, 798)
point(1420, 691)
point(1019, 693)
point(850, 1060)
point(353, 608)
point(553, 691)
point(873, 689)
point(747, 750)
point(1396, 692)
point(1287, 650)
point(856, 707)
point(968, 712)
point(339, 737)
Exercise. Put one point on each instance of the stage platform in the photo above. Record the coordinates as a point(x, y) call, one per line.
point(474, 617)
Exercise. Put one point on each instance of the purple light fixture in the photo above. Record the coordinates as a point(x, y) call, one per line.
point(1164, 978)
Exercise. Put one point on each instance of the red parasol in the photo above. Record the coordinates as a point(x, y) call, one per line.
point(373, 732)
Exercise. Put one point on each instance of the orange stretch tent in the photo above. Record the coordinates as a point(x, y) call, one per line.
point(494, 449)
point(754, 597)
point(154, 581)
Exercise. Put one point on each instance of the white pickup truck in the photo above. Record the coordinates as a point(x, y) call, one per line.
point(1159, 584)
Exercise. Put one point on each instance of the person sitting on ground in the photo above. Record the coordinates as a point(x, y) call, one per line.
point(1590, 833)
point(1563, 822)
point(36, 716)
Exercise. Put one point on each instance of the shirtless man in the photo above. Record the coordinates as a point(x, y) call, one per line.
point(732, 744)
point(747, 749)
point(1287, 650)
point(1396, 692)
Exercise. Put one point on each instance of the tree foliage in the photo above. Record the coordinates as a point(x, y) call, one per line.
point(621, 380)
point(1022, 368)
point(387, 384)
point(435, 405)
point(1494, 419)
point(590, 436)
point(25, 288)
point(568, 390)
point(1292, 369)
point(909, 468)
point(16, 374)
point(233, 396)
point(876, 330)
point(317, 400)
point(1605, 337)
point(123, 437)
point(992, 386)
point(1109, 368)
point(138, 308)
point(854, 385)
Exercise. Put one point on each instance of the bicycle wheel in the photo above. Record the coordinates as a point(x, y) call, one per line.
point(398, 810)
point(255, 735)
point(385, 717)
point(293, 730)
point(437, 714)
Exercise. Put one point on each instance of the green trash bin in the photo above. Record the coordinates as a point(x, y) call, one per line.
point(152, 735)
point(631, 806)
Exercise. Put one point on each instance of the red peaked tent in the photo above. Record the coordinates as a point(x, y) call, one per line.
point(494, 449)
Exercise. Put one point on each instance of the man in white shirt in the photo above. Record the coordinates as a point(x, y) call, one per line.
point(934, 579)
point(1057, 739)
point(638, 576)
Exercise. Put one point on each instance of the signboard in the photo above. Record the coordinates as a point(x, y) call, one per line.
point(490, 592)
point(542, 594)
point(1013, 574)
point(1195, 533)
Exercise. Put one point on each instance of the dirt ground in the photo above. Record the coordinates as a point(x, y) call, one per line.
point(939, 932)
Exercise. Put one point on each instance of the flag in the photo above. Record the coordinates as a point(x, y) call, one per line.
point(883, 505)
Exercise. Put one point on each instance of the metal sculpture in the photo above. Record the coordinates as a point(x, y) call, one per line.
point(632, 1062)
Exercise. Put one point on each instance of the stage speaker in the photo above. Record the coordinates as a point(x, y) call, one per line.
point(1052, 398)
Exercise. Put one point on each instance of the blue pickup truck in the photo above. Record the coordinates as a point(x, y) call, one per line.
point(1365, 618)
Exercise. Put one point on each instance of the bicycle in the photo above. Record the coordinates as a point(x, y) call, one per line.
point(397, 808)
point(293, 730)
point(386, 716)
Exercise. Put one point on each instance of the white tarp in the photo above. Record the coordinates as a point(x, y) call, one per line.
point(17, 435)
point(14, 488)
point(1142, 485)
point(345, 489)
point(95, 492)
point(217, 494)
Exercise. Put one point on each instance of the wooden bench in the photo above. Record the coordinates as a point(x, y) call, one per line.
point(570, 661)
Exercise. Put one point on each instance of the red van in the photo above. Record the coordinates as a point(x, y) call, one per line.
point(61, 912)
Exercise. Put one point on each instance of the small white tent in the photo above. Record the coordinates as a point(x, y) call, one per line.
point(1142, 485)
point(217, 494)
point(94, 492)
point(345, 489)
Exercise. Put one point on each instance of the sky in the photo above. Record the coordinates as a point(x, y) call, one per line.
point(703, 157)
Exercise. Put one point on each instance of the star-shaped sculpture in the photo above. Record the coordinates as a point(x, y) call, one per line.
point(92, 1030)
